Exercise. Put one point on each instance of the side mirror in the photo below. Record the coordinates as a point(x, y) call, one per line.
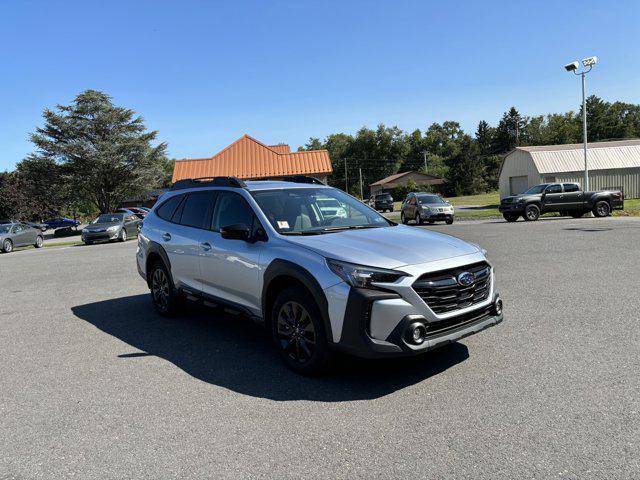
point(237, 231)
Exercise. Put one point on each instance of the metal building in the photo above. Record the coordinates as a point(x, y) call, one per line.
point(614, 164)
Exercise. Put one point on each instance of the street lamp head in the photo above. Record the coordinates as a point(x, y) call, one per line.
point(571, 67)
point(589, 61)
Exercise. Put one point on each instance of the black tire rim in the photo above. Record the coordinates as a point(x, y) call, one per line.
point(296, 333)
point(160, 289)
point(532, 214)
point(603, 209)
point(8, 246)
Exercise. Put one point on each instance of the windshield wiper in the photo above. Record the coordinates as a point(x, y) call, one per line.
point(350, 227)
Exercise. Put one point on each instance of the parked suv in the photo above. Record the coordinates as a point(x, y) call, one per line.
point(381, 202)
point(564, 198)
point(427, 207)
point(318, 283)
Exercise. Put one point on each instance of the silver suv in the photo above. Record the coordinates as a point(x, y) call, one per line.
point(319, 279)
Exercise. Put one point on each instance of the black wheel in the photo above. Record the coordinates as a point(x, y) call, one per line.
point(88, 242)
point(449, 221)
point(577, 214)
point(123, 235)
point(418, 219)
point(391, 210)
point(403, 219)
point(563, 213)
point(164, 296)
point(298, 331)
point(531, 213)
point(602, 209)
point(7, 246)
point(510, 217)
point(39, 241)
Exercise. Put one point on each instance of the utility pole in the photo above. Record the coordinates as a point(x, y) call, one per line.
point(424, 155)
point(361, 194)
point(346, 180)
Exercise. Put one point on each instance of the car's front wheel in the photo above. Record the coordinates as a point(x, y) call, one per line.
point(531, 213)
point(7, 246)
point(165, 298)
point(39, 241)
point(298, 331)
point(403, 219)
point(418, 219)
point(123, 235)
point(449, 221)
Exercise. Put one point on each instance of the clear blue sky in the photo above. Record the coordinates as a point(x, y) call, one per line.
point(204, 73)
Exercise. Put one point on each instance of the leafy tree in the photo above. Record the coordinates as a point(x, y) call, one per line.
point(509, 131)
point(466, 169)
point(14, 203)
point(484, 137)
point(43, 186)
point(104, 151)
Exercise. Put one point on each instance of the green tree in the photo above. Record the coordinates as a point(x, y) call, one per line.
point(43, 186)
point(104, 151)
point(509, 131)
point(466, 169)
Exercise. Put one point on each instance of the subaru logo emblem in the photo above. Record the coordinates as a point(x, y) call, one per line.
point(466, 278)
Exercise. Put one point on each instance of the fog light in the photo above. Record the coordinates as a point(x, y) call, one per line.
point(418, 333)
point(497, 306)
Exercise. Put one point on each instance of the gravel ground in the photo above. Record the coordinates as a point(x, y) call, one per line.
point(95, 385)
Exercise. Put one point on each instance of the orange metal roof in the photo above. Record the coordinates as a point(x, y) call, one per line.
point(248, 158)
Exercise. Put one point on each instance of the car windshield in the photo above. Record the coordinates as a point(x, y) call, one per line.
point(5, 228)
point(303, 211)
point(430, 199)
point(384, 197)
point(536, 189)
point(109, 218)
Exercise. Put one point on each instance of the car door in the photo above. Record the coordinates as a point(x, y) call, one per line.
point(131, 225)
point(21, 235)
point(230, 269)
point(553, 198)
point(573, 196)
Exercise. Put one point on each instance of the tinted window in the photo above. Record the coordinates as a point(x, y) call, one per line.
point(571, 187)
point(230, 209)
point(554, 189)
point(197, 209)
point(165, 211)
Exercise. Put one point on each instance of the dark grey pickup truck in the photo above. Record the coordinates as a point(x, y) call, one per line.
point(564, 198)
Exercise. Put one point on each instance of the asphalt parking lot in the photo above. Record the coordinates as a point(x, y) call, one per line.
point(94, 384)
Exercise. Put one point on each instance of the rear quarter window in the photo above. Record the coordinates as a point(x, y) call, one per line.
point(167, 209)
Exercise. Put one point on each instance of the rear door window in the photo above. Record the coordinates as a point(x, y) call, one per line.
point(196, 210)
point(571, 187)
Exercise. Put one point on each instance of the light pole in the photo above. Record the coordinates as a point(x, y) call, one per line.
point(588, 64)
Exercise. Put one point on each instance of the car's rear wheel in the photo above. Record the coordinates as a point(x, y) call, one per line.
point(418, 219)
point(165, 298)
point(531, 213)
point(602, 209)
point(298, 331)
point(510, 217)
point(39, 241)
point(7, 246)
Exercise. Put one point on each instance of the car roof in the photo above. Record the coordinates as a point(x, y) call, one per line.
point(279, 184)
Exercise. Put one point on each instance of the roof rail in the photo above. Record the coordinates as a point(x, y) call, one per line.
point(208, 182)
point(296, 179)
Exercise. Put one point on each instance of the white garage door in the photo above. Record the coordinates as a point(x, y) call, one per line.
point(518, 184)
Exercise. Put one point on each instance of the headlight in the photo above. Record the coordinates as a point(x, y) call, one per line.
point(484, 252)
point(113, 229)
point(426, 209)
point(362, 276)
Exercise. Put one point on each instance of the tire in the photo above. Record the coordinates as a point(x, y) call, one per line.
point(449, 221)
point(510, 217)
point(391, 210)
point(418, 219)
point(531, 213)
point(403, 219)
point(39, 241)
point(602, 209)
point(123, 235)
point(563, 213)
point(7, 246)
point(577, 214)
point(88, 242)
point(166, 300)
point(298, 332)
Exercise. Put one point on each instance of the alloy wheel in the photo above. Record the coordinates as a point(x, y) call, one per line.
point(7, 246)
point(296, 333)
point(39, 241)
point(603, 209)
point(160, 288)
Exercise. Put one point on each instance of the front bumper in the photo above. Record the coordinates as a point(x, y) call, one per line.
point(369, 313)
point(99, 236)
point(511, 208)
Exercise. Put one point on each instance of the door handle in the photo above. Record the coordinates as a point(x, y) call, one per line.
point(166, 237)
point(205, 246)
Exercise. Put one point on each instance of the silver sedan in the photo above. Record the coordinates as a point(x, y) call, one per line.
point(14, 235)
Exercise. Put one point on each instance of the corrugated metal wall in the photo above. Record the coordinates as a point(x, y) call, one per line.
point(516, 164)
point(625, 179)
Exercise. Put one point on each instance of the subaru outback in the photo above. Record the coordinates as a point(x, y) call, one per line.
point(319, 281)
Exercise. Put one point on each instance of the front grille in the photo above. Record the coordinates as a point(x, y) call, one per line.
point(442, 292)
point(506, 201)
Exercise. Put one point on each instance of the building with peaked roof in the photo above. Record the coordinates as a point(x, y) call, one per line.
point(402, 179)
point(247, 158)
point(614, 164)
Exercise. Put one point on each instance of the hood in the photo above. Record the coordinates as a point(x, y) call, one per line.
point(100, 226)
point(386, 247)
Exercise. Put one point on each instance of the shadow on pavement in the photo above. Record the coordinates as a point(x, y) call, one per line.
point(233, 352)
